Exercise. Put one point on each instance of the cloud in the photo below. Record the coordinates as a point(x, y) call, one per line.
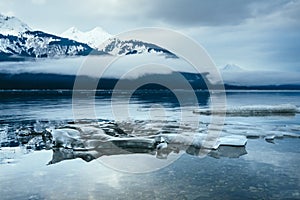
point(116, 15)
point(138, 65)
point(214, 13)
point(209, 13)
point(132, 66)
point(266, 41)
point(254, 34)
point(40, 2)
point(253, 78)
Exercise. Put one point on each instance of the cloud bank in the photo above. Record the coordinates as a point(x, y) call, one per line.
point(254, 34)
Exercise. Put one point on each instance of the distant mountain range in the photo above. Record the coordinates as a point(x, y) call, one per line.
point(231, 68)
point(240, 78)
point(58, 81)
point(37, 44)
point(102, 41)
point(19, 42)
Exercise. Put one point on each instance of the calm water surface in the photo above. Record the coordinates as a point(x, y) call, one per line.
point(266, 171)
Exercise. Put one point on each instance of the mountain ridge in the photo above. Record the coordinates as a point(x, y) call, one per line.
point(18, 42)
point(231, 67)
point(37, 44)
point(12, 26)
point(93, 38)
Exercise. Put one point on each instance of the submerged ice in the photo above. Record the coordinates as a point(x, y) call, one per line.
point(93, 140)
point(90, 139)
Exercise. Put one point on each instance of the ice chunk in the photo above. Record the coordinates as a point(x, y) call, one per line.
point(228, 152)
point(185, 138)
point(253, 110)
point(135, 142)
point(65, 137)
point(161, 146)
point(202, 140)
point(231, 140)
point(270, 138)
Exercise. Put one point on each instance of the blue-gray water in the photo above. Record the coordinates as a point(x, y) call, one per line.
point(266, 171)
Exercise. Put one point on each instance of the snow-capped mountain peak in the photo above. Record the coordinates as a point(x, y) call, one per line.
point(73, 33)
point(98, 29)
point(18, 42)
point(232, 68)
point(73, 30)
point(12, 26)
point(93, 37)
point(117, 47)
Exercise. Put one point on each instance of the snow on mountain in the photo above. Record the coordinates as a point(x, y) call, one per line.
point(12, 26)
point(93, 37)
point(232, 68)
point(262, 78)
point(18, 41)
point(39, 44)
point(115, 46)
point(233, 74)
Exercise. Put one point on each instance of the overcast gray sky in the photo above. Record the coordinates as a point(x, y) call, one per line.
point(253, 34)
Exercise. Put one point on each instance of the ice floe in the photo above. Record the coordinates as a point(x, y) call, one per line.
point(252, 110)
point(91, 139)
